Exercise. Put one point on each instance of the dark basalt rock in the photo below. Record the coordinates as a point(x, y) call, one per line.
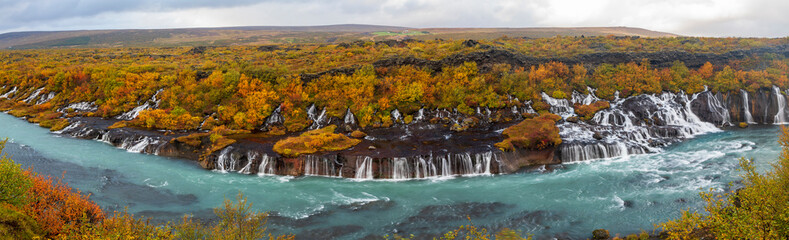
point(197, 50)
point(268, 48)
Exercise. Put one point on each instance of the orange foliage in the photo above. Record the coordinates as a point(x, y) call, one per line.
point(240, 86)
point(586, 112)
point(323, 139)
point(533, 134)
point(160, 119)
point(57, 208)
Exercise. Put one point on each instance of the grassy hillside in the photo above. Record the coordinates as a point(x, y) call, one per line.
point(268, 35)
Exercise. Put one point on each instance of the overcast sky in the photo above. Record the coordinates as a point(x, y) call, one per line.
point(720, 18)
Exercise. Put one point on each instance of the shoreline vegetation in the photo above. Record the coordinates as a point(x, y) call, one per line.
point(243, 91)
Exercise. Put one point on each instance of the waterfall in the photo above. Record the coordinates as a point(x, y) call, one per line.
point(365, 169)
point(396, 116)
point(321, 166)
point(527, 108)
point(137, 146)
point(267, 166)
point(318, 119)
point(152, 103)
point(312, 166)
point(250, 159)
point(746, 107)
point(424, 168)
point(582, 152)
point(225, 161)
point(46, 98)
point(780, 116)
point(446, 166)
point(718, 108)
point(275, 117)
point(349, 118)
point(13, 90)
point(400, 169)
point(560, 107)
point(466, 164)
point(420, 115)
point(33, 96)
point(483, 163)
point(68, 128)
point(134, 112)
point(80, 107)
point(636, 125)
point(311, 112)
point(585, 99)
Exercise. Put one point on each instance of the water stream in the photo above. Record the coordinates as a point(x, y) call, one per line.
point(623, 194)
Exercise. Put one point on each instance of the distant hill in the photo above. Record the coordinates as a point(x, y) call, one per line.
point(255, 35)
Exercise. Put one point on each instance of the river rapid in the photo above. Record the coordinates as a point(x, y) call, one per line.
point(622, 194)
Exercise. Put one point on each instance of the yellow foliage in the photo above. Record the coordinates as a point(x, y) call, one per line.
point(323, 139)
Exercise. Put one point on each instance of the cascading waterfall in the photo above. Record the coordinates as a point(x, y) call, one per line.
point(527, 108)
point(152, 103)
point(275, 117)
point(446, 166)
point(420, 115)
point(349, 118)
point(424, 168)
point(483, 163)
point(33, 96)
point(46, 98)
point(318, 119)
point(13, 90)
point(585, 99)
point(400, 169)
point(134, 112)
point(420, 167)
point(396, 116)
point(746, 107)
point(320, 166)
point(634, 125)
point(267, 166)
point(137, 146)
point(560, 107)
point(780, 116)
point(251, 156)
point(80, 107)
point(718, 108)
point(225, 161)
point(68, 128)
point(364, 170)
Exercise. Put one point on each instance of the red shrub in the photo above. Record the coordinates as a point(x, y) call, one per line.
point(57, 208)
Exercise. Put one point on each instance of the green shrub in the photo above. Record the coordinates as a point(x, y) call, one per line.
point(758, 210)
point(14, 184)
point(16, 225)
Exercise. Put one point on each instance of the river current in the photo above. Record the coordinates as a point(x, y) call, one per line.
point(623, 194)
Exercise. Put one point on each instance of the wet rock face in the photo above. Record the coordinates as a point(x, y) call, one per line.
point(712, 108)
point(762, 107)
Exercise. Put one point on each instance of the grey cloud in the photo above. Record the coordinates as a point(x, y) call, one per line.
point(687, 17)
point(25, 11)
